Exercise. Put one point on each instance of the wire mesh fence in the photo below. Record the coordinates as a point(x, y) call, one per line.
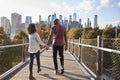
point(111, 61)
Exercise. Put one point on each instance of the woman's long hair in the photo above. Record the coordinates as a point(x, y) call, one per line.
point(31, 28)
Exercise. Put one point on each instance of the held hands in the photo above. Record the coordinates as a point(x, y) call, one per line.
point(66, 47)
point(46, 46)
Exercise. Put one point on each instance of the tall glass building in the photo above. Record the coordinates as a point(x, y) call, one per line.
point(60, 19)
point(53, 17)
point(74, 16)
point(95, 20)
point(70, 18)
point(28, 21)
point(5, 23)
point(16, 20)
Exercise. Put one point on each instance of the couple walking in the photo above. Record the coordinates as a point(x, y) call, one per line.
point(59, 39)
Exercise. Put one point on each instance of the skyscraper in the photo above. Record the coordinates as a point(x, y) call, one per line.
point(53, 17)
point(5, 23)
point(65, 23)
point(74, 16)
point(28, 21)
point(60, 19)
point(70, 18)
point(39, 19)
point(80, 22)
point(88, 23)
point(95, 20)
point(16, 20)
point(49, 23)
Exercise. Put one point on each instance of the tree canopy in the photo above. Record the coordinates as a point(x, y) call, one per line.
point(43, 31)
point(74, 33)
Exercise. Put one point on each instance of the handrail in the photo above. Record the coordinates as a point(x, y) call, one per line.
point(99, 56)
point(6, 46)
point(101, 48)
point(6, 74)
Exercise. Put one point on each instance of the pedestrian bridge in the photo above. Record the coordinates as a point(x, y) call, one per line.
point(80, 63)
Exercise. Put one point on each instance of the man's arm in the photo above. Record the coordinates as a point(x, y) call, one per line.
point(66, 42)
point(50, 38)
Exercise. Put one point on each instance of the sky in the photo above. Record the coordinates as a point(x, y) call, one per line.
point(108, 11)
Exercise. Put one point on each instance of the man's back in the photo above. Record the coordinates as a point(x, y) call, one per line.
point(59, 32)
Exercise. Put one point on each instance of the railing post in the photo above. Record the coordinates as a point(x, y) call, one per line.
point(80, 51)
point(73, 48)
point(99, 59)
point(23, 50)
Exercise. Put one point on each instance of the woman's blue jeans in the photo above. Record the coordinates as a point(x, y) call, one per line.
point(32, 60)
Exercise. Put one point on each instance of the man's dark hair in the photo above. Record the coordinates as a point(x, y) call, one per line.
point(56, 21)
point(31, 28)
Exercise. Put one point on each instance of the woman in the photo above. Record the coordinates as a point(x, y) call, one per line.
point(34, 48)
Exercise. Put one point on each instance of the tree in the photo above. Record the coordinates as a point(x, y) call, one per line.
point(20, 36)
point(91, 34)
point(118, 35)
point(85, 32)
point(74, 33)
point(43, 31)
point(4, 39)
point(108, 32)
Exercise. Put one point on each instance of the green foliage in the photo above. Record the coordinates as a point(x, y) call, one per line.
point(43, 31)
point(20, 36)
point(4, 38)
point(91, 34)
point(118, 32)
point(9, 57)
point(118, 35)
point(108, 32)
point(97, 30)
point(85, 32)
point(74, 33)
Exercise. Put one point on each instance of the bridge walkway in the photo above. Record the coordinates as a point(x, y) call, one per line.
point(73, 70)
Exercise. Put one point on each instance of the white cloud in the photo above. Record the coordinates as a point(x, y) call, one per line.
point(104, 3)
point(119, 4)
point(35, 8)
point(63, 8)
point(116, 22)
point(85, 5)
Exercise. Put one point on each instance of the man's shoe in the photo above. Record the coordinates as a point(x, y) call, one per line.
point(62, 71)
point(38, 70)
point(56, 72)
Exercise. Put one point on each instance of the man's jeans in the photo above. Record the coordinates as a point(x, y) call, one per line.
point(60, 50)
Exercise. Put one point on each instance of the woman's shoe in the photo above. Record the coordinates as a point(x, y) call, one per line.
point(31, 77)
point(38, 70)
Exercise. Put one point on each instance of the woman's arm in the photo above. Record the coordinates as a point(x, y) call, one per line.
point(41, 42)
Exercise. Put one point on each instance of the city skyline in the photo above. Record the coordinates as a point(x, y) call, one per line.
point(107, 10)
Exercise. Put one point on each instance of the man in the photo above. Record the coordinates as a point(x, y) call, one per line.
point(59, 39)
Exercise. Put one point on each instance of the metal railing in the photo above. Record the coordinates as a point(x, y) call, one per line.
point(13, 58)
point(93, 58)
